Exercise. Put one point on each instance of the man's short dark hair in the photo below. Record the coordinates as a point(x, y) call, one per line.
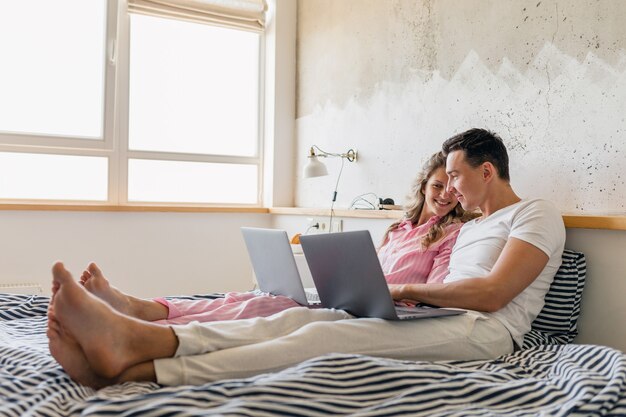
point(479, 146)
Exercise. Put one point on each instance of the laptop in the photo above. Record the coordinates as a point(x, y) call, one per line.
point(348, 276)
point(274, 265)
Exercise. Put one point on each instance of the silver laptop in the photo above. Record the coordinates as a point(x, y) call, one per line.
point(275, 266)
point(348, 276)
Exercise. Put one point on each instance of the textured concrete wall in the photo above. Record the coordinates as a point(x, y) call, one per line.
point(394, 78)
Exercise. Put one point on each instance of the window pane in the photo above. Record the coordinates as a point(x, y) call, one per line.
point(193, 88)
point(52, 72)
point(53, 177)
point(191, 182)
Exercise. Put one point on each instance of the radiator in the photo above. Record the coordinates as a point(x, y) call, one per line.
point(21, 288)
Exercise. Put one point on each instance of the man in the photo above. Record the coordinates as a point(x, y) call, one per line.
point(504, 261)
point(500, 270)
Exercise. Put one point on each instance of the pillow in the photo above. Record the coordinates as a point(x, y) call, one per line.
point(556, 322)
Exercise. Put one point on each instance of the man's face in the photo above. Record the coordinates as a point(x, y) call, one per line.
point(465, 182)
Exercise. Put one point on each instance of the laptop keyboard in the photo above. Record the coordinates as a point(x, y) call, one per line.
point(411, 310)
point(311, 295)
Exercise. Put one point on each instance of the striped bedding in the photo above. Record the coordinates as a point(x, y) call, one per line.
point(559, 380)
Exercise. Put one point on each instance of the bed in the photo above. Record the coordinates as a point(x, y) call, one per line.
point(549, 376)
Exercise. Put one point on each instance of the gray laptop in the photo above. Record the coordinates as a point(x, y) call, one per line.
point(275, 266)
point(348, 276)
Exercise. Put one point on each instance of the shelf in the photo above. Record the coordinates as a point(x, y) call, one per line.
point(609, 222)
point(363, 214)
point(575, 221)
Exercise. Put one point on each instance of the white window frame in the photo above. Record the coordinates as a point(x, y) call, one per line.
point(77, 146)
point(114, 143)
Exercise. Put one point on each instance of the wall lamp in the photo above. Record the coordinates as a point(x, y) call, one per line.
point(316, 168)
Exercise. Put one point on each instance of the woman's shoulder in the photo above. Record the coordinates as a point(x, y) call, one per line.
point(454, 227)
point(451, 232)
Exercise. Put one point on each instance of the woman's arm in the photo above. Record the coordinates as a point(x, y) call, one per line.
point(441, 262)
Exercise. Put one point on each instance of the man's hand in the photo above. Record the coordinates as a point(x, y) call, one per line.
point(398, 291)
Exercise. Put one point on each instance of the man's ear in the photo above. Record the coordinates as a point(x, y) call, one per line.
point(489, 171)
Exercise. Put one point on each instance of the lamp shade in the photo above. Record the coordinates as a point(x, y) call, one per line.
point(314, 168)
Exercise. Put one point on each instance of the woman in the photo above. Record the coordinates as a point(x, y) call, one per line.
point(414, 250)
point(417, 248)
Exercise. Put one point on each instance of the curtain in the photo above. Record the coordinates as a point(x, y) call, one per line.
point(236, 14)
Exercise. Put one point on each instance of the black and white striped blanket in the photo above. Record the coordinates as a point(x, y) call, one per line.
point(567, 380)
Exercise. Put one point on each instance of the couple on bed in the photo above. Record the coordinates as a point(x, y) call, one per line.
point(498, 267)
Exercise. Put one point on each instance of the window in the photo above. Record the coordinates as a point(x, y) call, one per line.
point(99, 104)
point(29, 176)
point(52, 75)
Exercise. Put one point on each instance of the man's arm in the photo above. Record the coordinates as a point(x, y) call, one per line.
point(519, 264)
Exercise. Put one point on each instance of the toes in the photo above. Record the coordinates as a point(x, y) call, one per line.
point(85, 277)
point(54, 326)
point(60, 275)
point(54, 329)
point(51, 315)
point(94, 270)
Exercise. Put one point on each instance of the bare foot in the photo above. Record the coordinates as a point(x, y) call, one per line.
point(94, 281)
point(111, 342)
point(71, 357)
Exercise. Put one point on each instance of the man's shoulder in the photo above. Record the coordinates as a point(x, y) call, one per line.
point(538, 205)
point(539, 202)
point(540, 223)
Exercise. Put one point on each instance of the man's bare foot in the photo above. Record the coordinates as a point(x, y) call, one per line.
point(111, 342)
point(71, 357)
point(94, 281)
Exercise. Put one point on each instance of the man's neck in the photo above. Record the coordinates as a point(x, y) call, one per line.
point(499, 197)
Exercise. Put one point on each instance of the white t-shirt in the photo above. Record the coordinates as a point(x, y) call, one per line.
point(481, 241)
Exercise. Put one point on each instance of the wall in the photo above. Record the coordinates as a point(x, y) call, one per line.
point(395, 78)
point(145, 254)
point(603, 308)
point(280, 106)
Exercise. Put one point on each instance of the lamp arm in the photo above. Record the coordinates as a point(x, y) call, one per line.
point(350, 155)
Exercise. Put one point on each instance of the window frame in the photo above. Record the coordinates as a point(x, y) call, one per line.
point(114, 142)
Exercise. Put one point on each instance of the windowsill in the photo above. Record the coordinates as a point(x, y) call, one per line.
point(134, 208)
point(578, 221)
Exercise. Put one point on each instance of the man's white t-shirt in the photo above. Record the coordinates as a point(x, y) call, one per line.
point(481, 241)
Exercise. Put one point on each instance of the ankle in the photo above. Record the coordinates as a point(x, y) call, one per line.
point(148, 310)
point(141, 372)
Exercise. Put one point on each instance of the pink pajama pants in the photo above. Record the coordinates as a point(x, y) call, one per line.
point(234, 306)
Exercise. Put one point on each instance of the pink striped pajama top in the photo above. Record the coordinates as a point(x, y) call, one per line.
point(402, 259)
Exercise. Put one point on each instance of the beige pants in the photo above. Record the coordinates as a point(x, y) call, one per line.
point(242, 348)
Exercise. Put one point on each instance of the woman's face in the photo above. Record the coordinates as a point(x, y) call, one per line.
point(438, 201)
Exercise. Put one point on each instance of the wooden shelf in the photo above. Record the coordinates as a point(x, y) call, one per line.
point(576, 221)
point(363, 214)
point(609, 222)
